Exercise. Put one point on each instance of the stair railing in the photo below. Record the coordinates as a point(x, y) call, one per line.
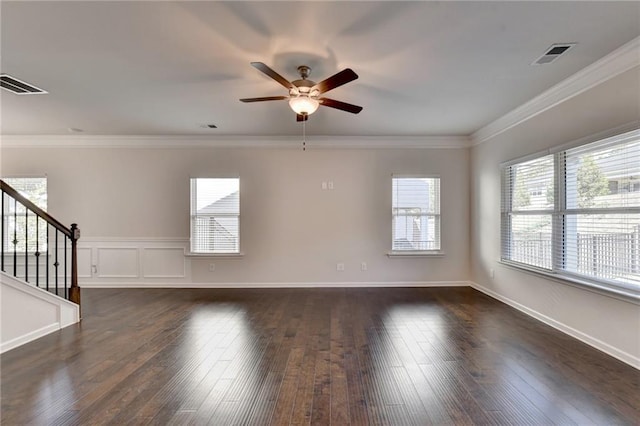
point(28, 234)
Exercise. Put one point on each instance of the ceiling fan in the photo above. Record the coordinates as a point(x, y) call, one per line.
point(304, 95)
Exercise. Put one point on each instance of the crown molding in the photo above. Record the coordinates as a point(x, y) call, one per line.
point(620, 60)
point(191, 141)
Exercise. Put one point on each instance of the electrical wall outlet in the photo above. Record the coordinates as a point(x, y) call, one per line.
point(212, 267)
point(363, 266)
point(330, 184)
point(340, 267)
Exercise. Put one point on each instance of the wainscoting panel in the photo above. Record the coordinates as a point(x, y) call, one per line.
point(133, 262)
point(163, 262)
point(84, 262)
point(118, 262)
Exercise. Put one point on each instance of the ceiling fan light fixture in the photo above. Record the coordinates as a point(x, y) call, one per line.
point(303, 105)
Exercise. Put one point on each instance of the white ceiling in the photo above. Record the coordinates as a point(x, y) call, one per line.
point(166, 68)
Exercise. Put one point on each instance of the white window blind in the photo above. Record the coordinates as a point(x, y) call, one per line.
point(16, 223)
point(527, 210)
point(602, 214)
point(215, 215)
point(577, 212)
point(416, 213)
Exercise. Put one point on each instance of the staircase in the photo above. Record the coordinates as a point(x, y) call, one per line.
point(39, 272)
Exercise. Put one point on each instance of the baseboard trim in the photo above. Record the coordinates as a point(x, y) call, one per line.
point(26, 338)
point(278, 284)
point(583, 337)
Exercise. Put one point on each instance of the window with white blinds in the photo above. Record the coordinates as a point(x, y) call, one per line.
point(527, 212)
point(416, 213)
point(215, 215)
point(576, 213)
point(34, 189)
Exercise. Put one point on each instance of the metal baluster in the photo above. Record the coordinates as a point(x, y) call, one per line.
point(2, 231)
point(37, 251)
point(48, 260)
point(56, 264)
point(26, 244)
point(66, 294)
point(15, 238)
point(74, 291)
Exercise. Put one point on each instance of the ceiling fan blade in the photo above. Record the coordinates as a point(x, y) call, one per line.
point(332, 103)
point(274, 75)
point(266, 98)
point(300, 117)
point(336, 80)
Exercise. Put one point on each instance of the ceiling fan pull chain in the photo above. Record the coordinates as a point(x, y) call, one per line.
point(304, 135)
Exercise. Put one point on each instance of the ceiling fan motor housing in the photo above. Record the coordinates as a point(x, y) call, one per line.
point(303, 86)
point(304, 71)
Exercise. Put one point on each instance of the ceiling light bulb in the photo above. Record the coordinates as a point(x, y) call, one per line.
point(303, 105)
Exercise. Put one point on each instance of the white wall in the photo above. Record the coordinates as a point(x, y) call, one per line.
point(132, 205)
point(29, 313)
point(611, 324)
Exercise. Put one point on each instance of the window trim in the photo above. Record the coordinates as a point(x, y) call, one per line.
point(415, 253)
point(418, 253)
point(598, 285)
point(206, 255)
point(578, 282)
point(196, 254)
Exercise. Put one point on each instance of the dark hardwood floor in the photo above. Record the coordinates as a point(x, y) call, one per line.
point(319, 356)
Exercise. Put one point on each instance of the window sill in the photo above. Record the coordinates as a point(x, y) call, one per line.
point(626, 295)
point(415, 253)
point(205, 255)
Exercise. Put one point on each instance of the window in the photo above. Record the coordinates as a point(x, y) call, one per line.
point(16, 225)
point(586, 223)
point(416, 213)
point(215, 215)
point(528, 214)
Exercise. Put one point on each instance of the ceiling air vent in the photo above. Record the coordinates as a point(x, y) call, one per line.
point(553, 53)
point(18, 87)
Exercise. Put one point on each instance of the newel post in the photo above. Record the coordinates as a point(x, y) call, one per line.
point(74, 291)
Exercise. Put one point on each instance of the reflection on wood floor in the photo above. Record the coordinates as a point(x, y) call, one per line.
point(319, 356)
